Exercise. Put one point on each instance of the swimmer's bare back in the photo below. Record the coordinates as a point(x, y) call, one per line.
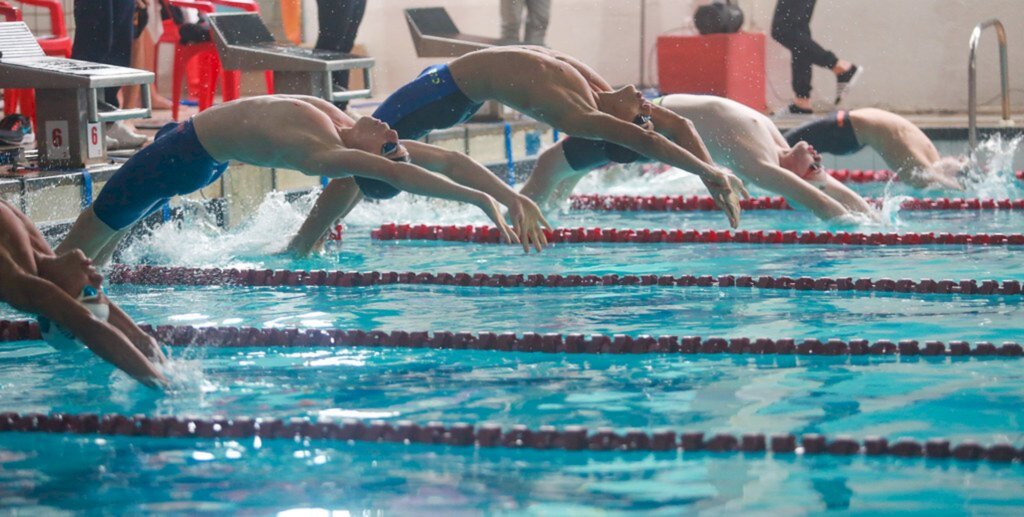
point(532, 80)
point(271, 130)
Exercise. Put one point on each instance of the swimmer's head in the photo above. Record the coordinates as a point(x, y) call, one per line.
point(370, 135)
point(377, 189)
point(801, 159)
point(626, 103)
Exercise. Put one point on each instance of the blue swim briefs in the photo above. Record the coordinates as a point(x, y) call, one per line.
point(431, 101)
point(174, 164)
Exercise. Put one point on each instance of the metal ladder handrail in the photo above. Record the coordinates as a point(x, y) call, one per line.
point(972, 79)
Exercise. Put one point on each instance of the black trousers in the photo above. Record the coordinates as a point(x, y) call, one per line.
point(791, 26)
point(339, 23)
point(104, 34)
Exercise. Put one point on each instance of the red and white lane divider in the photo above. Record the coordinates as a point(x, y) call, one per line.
point(550, 343)
point(568, 438)
point(159, 275)
point(853, 175)
point(624, 203)
point(489, 234)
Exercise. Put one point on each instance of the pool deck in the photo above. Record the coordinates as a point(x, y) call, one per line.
point(507, 147)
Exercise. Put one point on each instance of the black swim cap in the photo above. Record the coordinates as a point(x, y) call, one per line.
point(377, 189)
point(620, 154)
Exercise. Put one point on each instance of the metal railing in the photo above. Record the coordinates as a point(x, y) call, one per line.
point(972, 79)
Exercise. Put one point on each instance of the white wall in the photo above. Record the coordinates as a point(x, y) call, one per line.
point(915, 51)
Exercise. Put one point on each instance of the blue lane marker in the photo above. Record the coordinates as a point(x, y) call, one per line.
point(532, 143)
point(510, 176)
point(86, 189)
point(324, 180)
point(165, 213)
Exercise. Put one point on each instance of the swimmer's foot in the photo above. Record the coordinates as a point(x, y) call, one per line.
point(846, 80)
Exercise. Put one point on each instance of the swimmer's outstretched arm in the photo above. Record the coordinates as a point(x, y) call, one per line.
point(142, 341)
point(841, 193)
point(680, 130)
point(527, 220)
point(725, 188)
point(785, 183)
point(36, 295)
point(340, 163)
point(338, 198)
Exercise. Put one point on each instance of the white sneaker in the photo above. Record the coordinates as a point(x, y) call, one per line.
point(112, 143)
point(125, 135)
point(846, 80)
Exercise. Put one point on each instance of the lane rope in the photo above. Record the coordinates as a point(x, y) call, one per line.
point(161, 275)
point(629, 203)
point(488, 435)
point(491, 235)
point(852, 175)
point(550, 343)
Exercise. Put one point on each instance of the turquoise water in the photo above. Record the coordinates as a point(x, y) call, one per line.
point(191, 476)
point(918, 398)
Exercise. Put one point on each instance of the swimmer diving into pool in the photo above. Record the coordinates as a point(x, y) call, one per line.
point(301, 133)
point(549, 86)
point(49, 285)
point(905, 148)
point(737, 136)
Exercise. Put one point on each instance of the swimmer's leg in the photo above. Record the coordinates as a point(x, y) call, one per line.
point(107, 252)
point(335, 202)
point(546, 183)
point(89, 234)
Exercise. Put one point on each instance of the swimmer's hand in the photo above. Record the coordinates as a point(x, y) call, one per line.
point(939, 180)
point(71, 271)
point(112, 346)
point(493, 210)
point(725, 189)
point(148, 346)
point(527, 220)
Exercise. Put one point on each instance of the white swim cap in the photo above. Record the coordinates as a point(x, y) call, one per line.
point(60, 338)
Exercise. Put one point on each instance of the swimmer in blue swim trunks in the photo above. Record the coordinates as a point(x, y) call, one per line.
point(49, 285)
point(551, 87)
point(300, 133)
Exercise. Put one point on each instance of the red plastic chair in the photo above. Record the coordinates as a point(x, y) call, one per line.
point(57, 43)
point(209, 64)
point(12, 96)
point(232, 78)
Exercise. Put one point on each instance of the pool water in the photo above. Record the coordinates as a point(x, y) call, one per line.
point(921, 398)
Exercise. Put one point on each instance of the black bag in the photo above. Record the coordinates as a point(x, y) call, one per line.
point(718, 18)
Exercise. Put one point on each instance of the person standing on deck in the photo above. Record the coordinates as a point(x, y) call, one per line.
point(791, 26)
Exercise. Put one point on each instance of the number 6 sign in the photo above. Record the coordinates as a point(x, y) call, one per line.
point(95, 140)
point(57, 147)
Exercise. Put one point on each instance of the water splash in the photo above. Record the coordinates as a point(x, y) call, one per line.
point(269, 229)
point(627, 179)
point(991, 174)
